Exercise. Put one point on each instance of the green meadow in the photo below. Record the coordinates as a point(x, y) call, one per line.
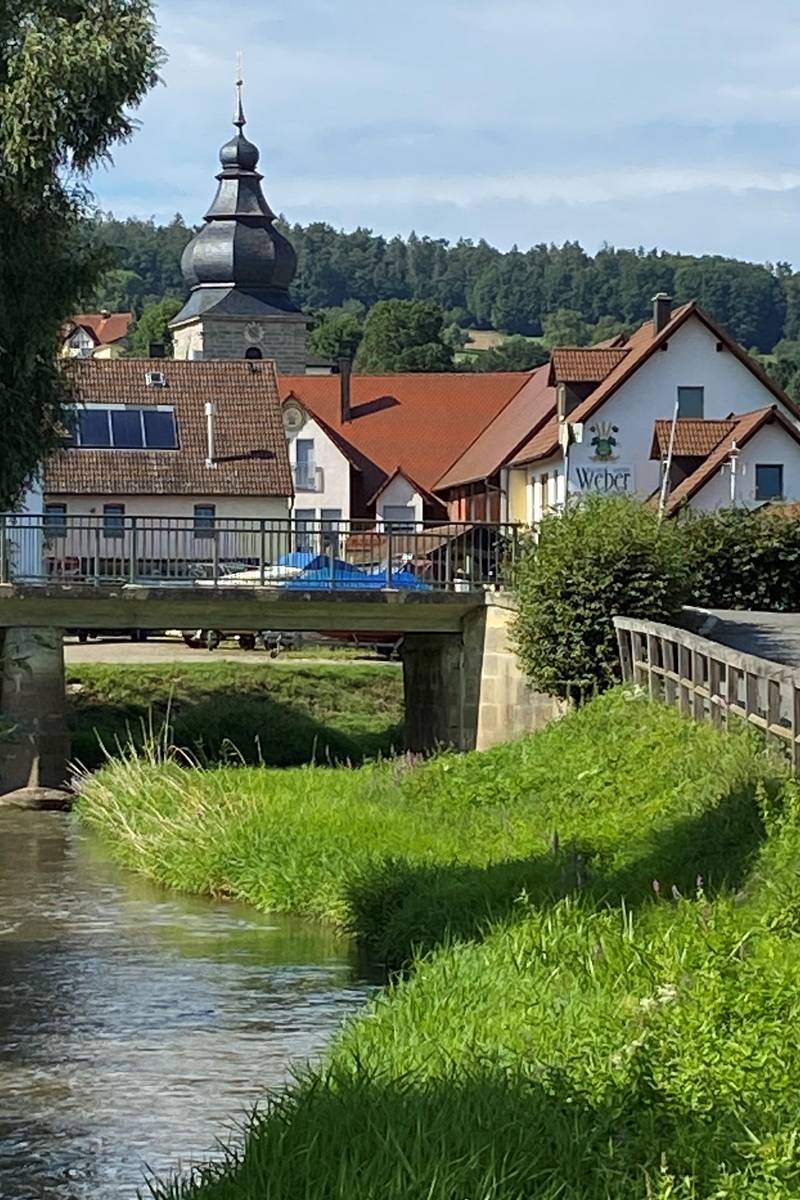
point(594, 936)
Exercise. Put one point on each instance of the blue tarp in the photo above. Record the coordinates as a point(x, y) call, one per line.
point(300, 558)
point(342, 576)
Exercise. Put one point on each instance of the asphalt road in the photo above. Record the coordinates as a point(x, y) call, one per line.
point(775, 636)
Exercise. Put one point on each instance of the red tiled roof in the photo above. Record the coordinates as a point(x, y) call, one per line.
point(420, 423)
point(496, 444)
point(105, 328)
point(694, 438)
point(644, 342)
point(744, 429)
point(543, 444)
point(584, 364)
point(251, 453)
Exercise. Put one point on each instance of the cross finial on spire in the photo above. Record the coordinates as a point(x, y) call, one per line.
point(240, 118)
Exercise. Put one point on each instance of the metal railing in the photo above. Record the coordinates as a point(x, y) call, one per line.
point(712, 682)
point(240, 552)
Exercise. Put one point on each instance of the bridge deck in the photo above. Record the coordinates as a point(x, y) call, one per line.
point(238, 609)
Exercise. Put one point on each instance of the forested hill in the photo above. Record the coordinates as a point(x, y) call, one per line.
point(477, 285)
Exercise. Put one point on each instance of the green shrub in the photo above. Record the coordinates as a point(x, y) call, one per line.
point(600, 559)
point(738, 558)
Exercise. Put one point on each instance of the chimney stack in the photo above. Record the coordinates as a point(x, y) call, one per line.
point(211, 412)
point(345, 376)
point(662, 312)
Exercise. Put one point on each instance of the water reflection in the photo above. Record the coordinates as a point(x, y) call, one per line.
point(136, 1026)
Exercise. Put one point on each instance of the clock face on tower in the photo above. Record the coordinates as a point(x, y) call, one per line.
point(253, 332)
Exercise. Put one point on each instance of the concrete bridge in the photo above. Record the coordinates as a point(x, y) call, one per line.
point(441, 588)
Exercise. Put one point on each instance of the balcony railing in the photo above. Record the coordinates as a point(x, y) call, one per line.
point(233, 552)
point(308, 478)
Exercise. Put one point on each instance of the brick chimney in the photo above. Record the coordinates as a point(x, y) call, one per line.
point(662, 312)
point(345, 376)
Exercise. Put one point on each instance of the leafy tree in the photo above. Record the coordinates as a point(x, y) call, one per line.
point(603, 557)
point(153, 327)
point(565, 327)
point(738, 558)
point(455, 337)
point(118, 290)
point(607, 328)
point(404, 335)
point(337, 335)
point(514, 354)
point(69, 73)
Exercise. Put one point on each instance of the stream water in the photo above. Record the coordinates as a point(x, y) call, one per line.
point(136, 1026)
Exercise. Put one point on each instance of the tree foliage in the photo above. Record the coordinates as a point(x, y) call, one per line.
point(69, 73)
point(739, 558)
point(404, 335)
point(601, 558)
point(514, 354)
point(337, 334)
point(152, 327)
point(478, 286)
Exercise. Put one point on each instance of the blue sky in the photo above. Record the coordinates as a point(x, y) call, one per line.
point(672, 124)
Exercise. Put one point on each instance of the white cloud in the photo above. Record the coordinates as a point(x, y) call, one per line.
point(563, 112)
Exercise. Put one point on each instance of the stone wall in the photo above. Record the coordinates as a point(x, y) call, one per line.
point(283, 339)
point(36, 751)
point(468, 691)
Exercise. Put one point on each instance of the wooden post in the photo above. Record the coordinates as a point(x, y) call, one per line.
point(796, 727)
point(715, 689)
point(625, 654)
point(773, 709)
point(685, 672)
point(670, 651)
point(698, 678)
point(731, 691)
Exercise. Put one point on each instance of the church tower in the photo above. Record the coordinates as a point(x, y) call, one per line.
point(239, 269)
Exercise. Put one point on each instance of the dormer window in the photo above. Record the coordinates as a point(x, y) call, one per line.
point(119, 427)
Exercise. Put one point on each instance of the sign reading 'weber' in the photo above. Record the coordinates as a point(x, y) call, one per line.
point(606, 479)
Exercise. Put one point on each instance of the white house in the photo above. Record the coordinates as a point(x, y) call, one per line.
point(612, 401)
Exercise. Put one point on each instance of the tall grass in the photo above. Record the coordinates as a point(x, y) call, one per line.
point(280, 714)
point(605, 989)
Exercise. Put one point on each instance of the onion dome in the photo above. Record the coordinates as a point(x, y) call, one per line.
point(239, 248)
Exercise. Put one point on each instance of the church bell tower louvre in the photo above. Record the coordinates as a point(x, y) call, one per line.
point(239, 269)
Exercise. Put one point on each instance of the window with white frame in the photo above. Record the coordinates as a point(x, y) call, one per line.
point(691, 402)
point(205, 516)
point(55, 520)
point(400, 517)
point(113, 520)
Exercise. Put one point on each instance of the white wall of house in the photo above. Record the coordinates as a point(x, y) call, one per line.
point(770, 446)
point(544, 489)
point(398, 494)
point(227, 507)
point(692, 360)
point(330, 474)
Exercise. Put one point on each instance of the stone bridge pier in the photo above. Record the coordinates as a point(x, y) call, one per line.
point(467, 690)
point(34, 739)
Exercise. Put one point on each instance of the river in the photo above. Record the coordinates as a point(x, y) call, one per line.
point(137, 1026)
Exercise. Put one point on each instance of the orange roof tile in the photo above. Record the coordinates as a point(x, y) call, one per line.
point(251, 454)
point(105, 328)
point(694, 438)
point(744, 429)
point(643, 343)
point(420, 423)
point(512, 427)
point(543, 444)
point(585, 364)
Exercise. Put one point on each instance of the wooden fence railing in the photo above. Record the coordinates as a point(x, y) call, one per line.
point(712, 682)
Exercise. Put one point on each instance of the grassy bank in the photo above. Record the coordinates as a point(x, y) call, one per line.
point(279, 713)
point(605, 1008)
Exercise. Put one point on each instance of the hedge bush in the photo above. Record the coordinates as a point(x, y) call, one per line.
point(600, 558)
point(610, 556)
